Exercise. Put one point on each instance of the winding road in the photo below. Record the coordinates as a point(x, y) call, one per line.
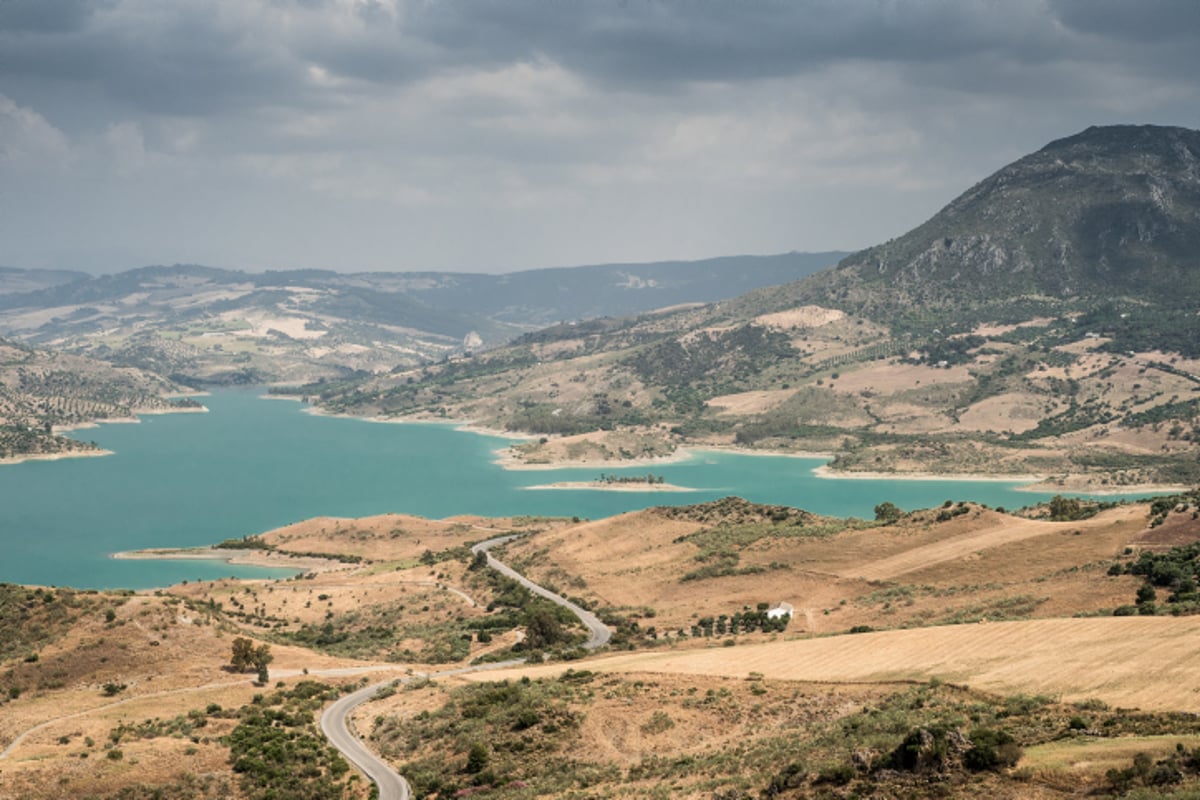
point(335, 721)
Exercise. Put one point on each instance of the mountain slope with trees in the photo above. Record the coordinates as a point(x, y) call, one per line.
point(41, 391)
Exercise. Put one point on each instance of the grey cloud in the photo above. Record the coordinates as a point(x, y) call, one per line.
point(1142, 21)
point(283, 132)
point(47, 16)
point(186, 58)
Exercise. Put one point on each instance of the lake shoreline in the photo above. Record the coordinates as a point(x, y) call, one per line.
point(1076, 483)
point(24, 458)
point(233, 556)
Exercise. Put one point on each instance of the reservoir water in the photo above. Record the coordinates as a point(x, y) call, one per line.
point(253, 464)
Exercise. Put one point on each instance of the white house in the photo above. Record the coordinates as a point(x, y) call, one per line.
point(780, 610)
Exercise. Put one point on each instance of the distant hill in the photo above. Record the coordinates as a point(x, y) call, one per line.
point(203, 324)
point(42, 390)
point(1043, 322)
point(20, 281)
point(545, 296)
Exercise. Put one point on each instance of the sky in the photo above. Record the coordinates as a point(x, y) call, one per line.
point(493, 135)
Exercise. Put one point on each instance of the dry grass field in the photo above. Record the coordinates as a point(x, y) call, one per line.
point(963, 595)
point(979, 565)
point(1131, 662)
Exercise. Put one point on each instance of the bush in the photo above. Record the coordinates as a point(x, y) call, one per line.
point(991, 749)
point(839, 775)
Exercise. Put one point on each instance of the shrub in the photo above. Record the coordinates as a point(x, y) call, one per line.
point(839, 775)
point(991, 749)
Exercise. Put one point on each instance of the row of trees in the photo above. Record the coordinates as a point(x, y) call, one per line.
point(744, 621)
point(650, 479)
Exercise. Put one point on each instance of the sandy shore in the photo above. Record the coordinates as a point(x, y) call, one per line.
point(604, 486)
point(141, 412)
point(1079, 485)
point(96, 423)
point(239, 557)
point(825, 472)
point(55, 456)
point(1041, 484)
point(507, 460)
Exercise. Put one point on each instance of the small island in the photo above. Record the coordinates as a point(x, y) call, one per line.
point(620, 483)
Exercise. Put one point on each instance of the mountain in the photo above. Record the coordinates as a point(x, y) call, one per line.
point(1109, 212)
point(201, 324)
point(1043, 322)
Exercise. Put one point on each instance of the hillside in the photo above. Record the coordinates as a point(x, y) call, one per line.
point(41, 391)
point(1042, 323)
point(876, 685)
point(204, 325)
point(1111, 212)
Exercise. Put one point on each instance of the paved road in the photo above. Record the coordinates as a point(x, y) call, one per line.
point(334, 724)
point(600, 634)
point(335, 720)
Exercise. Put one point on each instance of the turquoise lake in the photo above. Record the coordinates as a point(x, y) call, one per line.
point(252, 464)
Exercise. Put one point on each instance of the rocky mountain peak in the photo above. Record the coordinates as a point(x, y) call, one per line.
point(1113, 209)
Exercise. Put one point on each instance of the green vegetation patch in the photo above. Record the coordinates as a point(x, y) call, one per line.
point(523, 739)
point(737, 525)
point(279, 753)
point(30, 619)
point(495, 735)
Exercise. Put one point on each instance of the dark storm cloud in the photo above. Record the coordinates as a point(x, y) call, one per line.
point(692, 127)
point(1142, 21)
point(46, 16)
point(648, 41)
point(159, 58)
point(199, 58)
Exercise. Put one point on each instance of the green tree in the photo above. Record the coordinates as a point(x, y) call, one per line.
point(262, 657)
point(480, 561)
point(243, 654)
point(1146, 594)
point(887, 513)
point(1064, 509)
point(542, 628)
point(477, 758)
